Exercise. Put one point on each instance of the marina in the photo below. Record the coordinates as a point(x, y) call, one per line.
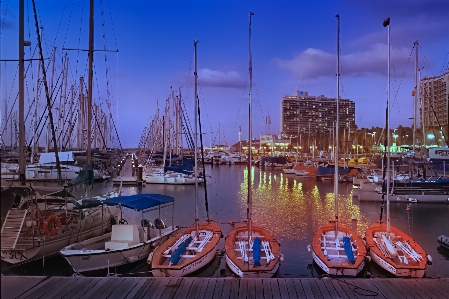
point(315, 209)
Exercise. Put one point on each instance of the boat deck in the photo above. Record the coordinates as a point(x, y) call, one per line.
point(149, 287)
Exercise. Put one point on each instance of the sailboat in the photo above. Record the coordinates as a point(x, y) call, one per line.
point(193, 248)
point(251, 251)
point(389, 247)
point(336, 249)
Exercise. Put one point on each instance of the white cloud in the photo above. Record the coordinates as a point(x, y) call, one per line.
point(208, 77)
point(314, 63)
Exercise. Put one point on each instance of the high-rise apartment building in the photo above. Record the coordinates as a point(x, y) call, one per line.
point(434, 96)
point(314, 114)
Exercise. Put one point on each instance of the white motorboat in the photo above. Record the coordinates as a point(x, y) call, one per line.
point(126, 243)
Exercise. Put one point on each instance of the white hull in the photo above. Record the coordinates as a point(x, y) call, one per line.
point(335, 271)
point(49, 173)
point(289, 171)
point(412, 273)
point(251, 274)
point(171, 180)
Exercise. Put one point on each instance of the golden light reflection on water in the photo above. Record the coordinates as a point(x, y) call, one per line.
point(294, 207)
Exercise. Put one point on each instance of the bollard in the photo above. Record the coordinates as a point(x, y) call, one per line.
point(139, 172)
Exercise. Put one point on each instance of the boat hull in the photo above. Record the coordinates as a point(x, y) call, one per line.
point(333, 265)
point(159, 262)
point(394, 265)
point(246, 269)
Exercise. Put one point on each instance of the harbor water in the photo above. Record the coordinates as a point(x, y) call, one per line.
point(290, 207)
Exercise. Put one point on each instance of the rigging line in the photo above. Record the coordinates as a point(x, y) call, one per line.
point(444, 63)
point(68, 24)
point(112, 24)
point(202, 161)
point(425, 58)
point(79, 41)
point(58, 166)
point(438, 122)
point(4, 17)
point(240, 106)
point(403, 75)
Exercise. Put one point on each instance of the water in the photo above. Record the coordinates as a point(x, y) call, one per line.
point(291, 208)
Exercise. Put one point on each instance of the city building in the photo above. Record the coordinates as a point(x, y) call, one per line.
point(304, 114)
point(434, 98)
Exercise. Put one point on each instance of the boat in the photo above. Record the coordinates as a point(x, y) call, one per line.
point(124, 243)
point(389, 247)
point(38, 226)
point(306, 169)
point(251, 251)
point(444, 241)
point(337, 249)
point(194, 248)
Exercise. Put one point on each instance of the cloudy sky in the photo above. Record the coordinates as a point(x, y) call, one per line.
point(294, 48)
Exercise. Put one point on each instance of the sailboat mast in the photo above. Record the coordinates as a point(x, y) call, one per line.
point(21, 93)
point(385, 24)
point(250, 147)
point(195, 169)
point(336, 128)
point(90, 81)
point(416, 98)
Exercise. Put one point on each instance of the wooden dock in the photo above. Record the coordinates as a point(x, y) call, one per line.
point(232, 288)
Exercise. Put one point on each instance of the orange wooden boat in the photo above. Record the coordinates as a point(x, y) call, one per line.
point(329, 252)
point(239, 256)
point(399, 254)
point(305, 169)
point(198, 253)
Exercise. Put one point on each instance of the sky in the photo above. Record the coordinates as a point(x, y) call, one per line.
point(294, 46)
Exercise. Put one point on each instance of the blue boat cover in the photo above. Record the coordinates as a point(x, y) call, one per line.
point(256, 252)
point(137, 202)
point(176, 256)
point(348, 249)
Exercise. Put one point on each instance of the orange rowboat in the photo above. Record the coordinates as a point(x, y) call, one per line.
point(329, 252)
point(398, 253)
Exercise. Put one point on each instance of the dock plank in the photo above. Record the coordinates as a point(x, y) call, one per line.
point(330, 288)
point(226, 289)
point(235, 286)
point(198, 288)
point(86, 288)
point(98, 285)
point(209, 291)
point(318, 287)
point(387, 289)
point(283, 290)
point(42, 288)
point(243, 288)
point(266, 287)
point(423, 286)
point(137, 287)
point(126, 287)
point(400, 288)
point(144, 288)
point(254, 289)
point(12, 286)
point(157, 284)
point(299, 288)
point(110, 286)
point(365, 289)
point(442, 289)
point(307, 288)
point(344, 292)
point(408, 285)
point(68, 285)
point(170, 288)
point(183, 288)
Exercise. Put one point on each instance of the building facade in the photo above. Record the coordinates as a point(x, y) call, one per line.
point(304, 114)
point(434, 99)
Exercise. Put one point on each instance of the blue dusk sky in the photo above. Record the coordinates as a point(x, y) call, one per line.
point(294, 47)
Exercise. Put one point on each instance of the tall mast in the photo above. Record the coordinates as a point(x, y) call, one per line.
point(336, 128)
point(415, 98)
point(250, 154)
point(385, 24)
point(195, 76)
point(90, 80)
point(21, 94)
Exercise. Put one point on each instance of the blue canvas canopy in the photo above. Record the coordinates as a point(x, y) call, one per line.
point(137, 202)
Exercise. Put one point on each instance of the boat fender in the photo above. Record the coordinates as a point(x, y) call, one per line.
point(132, 259)
point(367, 258)
point(123, 221)
point(57, 225)
point(429, 259)
point(282, 257)
point(150, 256)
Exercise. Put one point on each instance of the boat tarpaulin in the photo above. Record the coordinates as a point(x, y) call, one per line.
point(137, 202)
point(86, 174)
